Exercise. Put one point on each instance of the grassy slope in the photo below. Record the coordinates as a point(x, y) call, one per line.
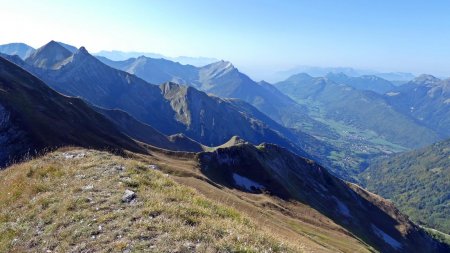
point(74, 204)
point(418, 182)
point(303, 180)
point(290, 220)
point(443, 237)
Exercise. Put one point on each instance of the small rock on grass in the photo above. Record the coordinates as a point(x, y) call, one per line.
point(128, 196)
point(119, 167)
point(153, 167)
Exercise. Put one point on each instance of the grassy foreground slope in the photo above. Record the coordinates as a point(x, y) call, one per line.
point(72, 201)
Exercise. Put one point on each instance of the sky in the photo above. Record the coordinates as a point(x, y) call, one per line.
point(258, 36)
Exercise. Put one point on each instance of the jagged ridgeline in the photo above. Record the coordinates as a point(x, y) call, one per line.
point(170, 108)
point(183, 180)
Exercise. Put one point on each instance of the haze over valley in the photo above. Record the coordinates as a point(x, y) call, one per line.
point(216, 132)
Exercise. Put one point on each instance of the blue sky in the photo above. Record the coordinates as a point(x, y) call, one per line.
point(256, 35)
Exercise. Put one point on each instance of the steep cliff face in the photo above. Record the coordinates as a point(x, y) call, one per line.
point(14, 141)
point(147, 134)
point(213, 120)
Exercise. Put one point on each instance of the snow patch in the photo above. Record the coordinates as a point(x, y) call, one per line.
point(246, 183)
point(387, 238)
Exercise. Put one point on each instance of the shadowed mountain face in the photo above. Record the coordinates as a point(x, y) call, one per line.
point(224, 80)
point(33, 117)
point(427, 99)
point(268, 168)
point(147, 134)
point(169, 108)
point(20, 49)
point(417, 181)
point(360, 109)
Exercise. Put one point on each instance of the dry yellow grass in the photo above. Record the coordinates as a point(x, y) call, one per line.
point(71, 202)
point(295, 223)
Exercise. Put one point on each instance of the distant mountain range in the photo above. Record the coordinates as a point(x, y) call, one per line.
point(23, 51)
point(169, 108)
point(427, 99)
point(224, 80)
point(323, 71)
point(362, 109)
point(121, 56)
point(189, 122)
point(365, 82)
point(20, 49)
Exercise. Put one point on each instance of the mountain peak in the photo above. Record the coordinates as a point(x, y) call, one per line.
point(21, 49)
point(82, 50)
point(300, 76)
point(426, 79)
point(80, 54)
point(217, 70)
point(222, 65)
point(52, 45)
point(227, 64)
point(48, 56)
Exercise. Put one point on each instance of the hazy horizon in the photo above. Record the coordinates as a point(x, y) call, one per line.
point(256, 36)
